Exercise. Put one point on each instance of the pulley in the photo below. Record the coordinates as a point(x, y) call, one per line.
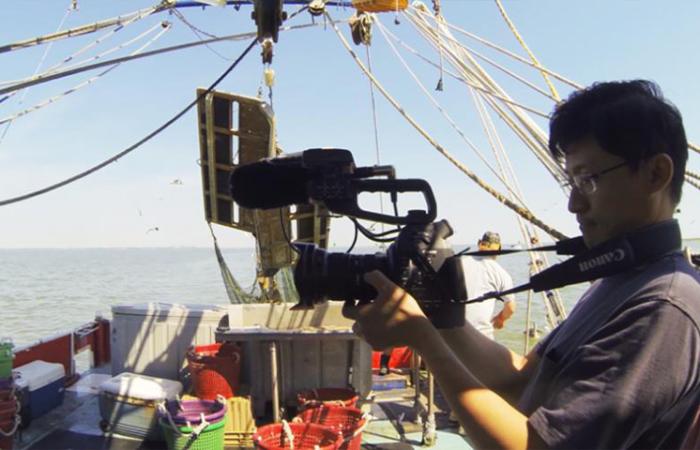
point(361, 28)
point(317, 7)
point(268, 15)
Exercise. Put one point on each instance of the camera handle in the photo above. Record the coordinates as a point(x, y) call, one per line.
point(351, 208)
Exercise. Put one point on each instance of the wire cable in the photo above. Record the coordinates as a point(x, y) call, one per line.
point(199, 32)
point(84, 29)
point(55, 98)
point(525, 47)
point(36, 71)
point(136, 145)
point(54, 76)
point(354, 241)
point(524, 212)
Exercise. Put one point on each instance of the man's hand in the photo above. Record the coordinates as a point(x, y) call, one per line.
point(500, 319)
point(394, 318)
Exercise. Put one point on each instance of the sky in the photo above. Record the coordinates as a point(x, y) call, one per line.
point(320, 99)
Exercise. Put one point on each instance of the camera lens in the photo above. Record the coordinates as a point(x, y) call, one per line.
point(320, 275)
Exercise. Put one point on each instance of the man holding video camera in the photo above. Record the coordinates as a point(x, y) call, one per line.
point(623, 371)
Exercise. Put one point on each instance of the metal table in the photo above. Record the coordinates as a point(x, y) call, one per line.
point(273, 337)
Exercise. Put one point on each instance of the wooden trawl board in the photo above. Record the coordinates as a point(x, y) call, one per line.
point(234, 130)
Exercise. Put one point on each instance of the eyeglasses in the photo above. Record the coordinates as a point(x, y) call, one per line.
point(586, 183)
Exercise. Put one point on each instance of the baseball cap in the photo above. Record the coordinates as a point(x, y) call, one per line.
point(490, 241)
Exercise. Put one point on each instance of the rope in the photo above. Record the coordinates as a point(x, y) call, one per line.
point(99, 40)
point(469, 83)
point(459, 131)
point(532, 56)
point(18, 421)
point(532, 135)
point(539, 145)
point(66, 73)
point(134, 146)
point(474, 71)
point(691, 174)
point(376, 129)
point(693, 147)
point(288, 433)
point(692, 182)
point(90, 80)
point(79, 31)
point(555, 311)
point(524, 212)
point(506, 71)
point(505, 52)
point(36, 70)
point(197, 32)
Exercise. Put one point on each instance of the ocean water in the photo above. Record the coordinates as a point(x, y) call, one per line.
point(46, 291)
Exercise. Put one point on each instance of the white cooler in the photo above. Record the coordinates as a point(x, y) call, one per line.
point(44, 383)
point(128, 404)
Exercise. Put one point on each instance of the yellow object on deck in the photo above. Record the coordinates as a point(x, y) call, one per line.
point(380, 5)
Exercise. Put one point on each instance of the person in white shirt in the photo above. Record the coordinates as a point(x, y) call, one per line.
point(483, 274)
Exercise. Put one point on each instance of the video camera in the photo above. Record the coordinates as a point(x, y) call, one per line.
point(419, 258)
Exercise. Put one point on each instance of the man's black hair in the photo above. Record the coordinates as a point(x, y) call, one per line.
point(630, 119)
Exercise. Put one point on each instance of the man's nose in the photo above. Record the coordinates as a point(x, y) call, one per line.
point(577, 201)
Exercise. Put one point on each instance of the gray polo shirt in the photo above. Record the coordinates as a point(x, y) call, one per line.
point(623, 371)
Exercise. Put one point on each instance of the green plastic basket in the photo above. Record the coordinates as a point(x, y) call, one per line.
point(6, 357)
point(211, 438)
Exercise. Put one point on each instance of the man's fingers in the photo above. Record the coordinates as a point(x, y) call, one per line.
point(383, 285)
point(357, 329)
point(351, 310)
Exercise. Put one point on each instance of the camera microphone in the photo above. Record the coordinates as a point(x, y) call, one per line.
point(266, 185)
point(325, 176)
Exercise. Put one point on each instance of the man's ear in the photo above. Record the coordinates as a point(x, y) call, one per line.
point(659, 172)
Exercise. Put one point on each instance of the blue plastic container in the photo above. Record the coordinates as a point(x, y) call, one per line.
point(45, 385)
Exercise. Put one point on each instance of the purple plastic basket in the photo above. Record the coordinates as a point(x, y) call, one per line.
point(190, 411)
point(6, 383)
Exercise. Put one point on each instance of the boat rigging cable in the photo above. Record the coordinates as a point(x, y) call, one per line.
point(164, 28)
point(469, 83)
point(532, 56)
point(692, 182)
point(513, 55)
point(57, 75)
point(554, 308)
point(524, 212)
point(534, 137)
point(43, 56)
point(198, 32)
point(527, 131)
point(85, 29)
point(36, 70)
point(233, 37)
point(99, 40)
point(442, 111)
point(553, 305)
point(139, 143)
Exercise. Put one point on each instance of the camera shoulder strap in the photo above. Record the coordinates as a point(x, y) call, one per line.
point(612, 257)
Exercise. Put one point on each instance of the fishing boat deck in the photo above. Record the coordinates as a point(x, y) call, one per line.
point(76, 423)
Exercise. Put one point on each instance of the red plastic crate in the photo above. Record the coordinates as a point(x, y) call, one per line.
point(400, 358)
